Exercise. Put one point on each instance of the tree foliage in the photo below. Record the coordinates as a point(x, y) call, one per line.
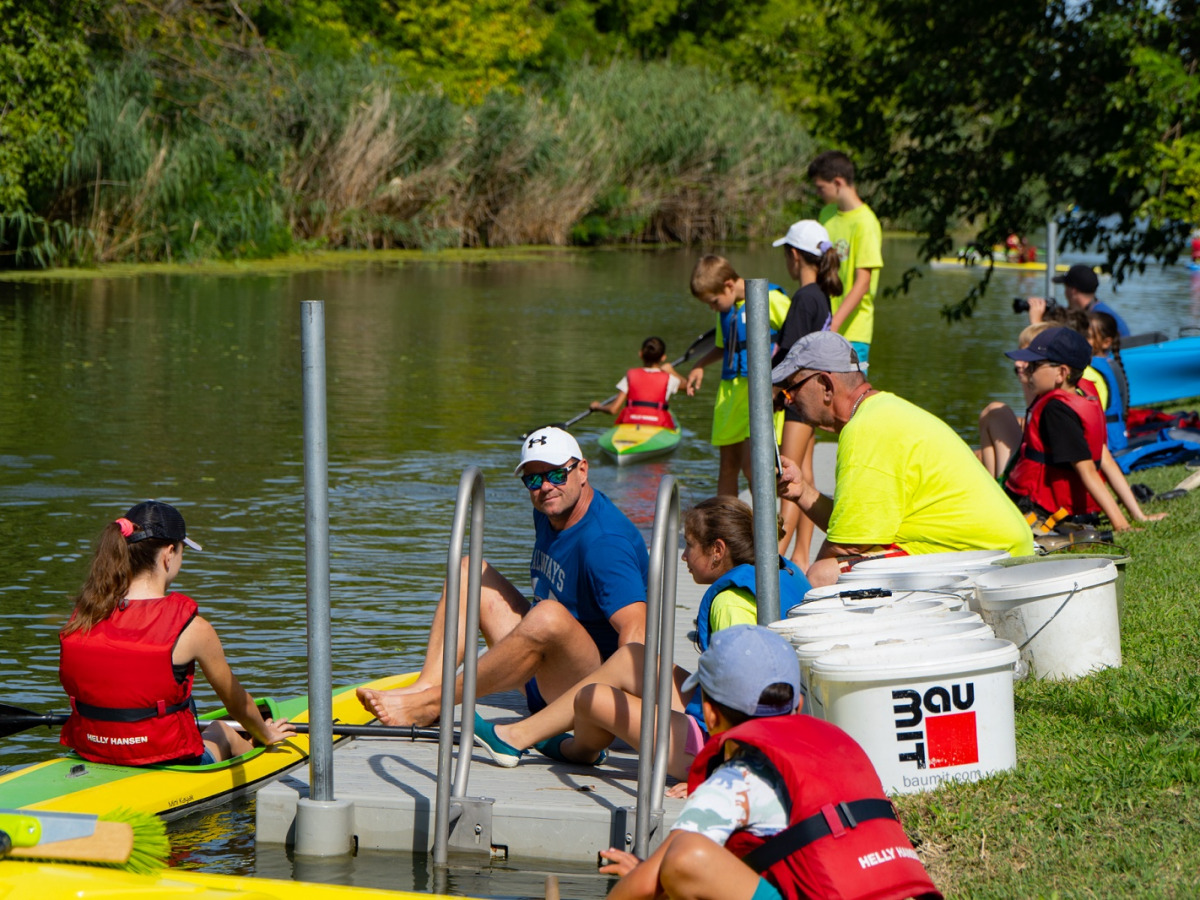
point(44, 75)
point(1004, 115)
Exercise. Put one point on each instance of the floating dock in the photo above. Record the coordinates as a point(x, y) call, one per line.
point(541, 810)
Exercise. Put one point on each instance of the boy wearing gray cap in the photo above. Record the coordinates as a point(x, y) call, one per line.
point(780, 804)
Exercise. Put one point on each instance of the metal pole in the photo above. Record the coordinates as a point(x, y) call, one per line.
point(668, 509)
point(316, 533)
point(762, 451)
point(470, 494)
point(655, 601)
point(1051, 256)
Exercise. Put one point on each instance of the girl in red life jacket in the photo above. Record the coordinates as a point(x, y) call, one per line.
point(813, 261)
point(129, 652)
point(644, 392)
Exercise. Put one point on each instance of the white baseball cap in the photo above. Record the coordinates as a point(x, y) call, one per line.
point(549, 445)
point(808, 235)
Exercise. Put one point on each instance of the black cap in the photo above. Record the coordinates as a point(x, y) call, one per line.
point(160, 521)
point(1080, 277)
point(1065, 346)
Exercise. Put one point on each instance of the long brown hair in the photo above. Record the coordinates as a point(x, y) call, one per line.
point(727, 518)
point(828, 266)
point(113, 568)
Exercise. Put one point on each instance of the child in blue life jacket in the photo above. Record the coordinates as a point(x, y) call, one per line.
point(719, 552)
point(643, 394)
point(129, 652)
point(721, 289)
point(780, 804)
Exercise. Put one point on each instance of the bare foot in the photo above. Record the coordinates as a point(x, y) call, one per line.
point(400, 706)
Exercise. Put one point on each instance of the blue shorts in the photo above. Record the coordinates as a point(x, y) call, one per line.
point(533, 697)
point(766, 891)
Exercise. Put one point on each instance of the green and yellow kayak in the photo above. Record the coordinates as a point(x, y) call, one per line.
point(55, 881)
point(69, 783)
point(635, 443)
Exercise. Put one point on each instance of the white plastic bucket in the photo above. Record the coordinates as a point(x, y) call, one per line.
point(839, 597)
point(957, 562)
point(1120, 560)
point(908, 581)
point(926, 713)
point(1062, 614)
point(852, 621)
point(969, 626)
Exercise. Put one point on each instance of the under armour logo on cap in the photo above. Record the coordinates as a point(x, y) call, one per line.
point(549, 445)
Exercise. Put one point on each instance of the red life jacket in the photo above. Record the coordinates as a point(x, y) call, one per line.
point(646, 403)
point(126, 705)
point(1057, 487)
point(843, 841)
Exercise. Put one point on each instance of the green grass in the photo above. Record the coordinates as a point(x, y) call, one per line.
point(1105, 799)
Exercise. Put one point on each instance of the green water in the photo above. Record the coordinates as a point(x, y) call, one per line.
point(188, 389)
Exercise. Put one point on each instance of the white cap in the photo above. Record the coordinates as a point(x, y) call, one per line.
point(808, 235)
point(549, 445)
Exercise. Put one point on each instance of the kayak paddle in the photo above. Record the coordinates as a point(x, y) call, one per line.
point(705, 340)
point(14, 719)
point(133, 841)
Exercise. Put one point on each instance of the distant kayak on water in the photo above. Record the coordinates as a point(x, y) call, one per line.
point(975, 262)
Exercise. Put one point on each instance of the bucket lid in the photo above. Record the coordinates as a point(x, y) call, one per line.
point(1042, 579)
point(901, 581)
point(804, 628)
point(915, 659)
point(955, 562)
point(860, 615)
point(1118, 559)
point(855, 600)
point(971, 627)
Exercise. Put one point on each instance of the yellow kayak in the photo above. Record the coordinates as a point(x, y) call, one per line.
point(957, 262)
point(69, 783)
point(46, 881)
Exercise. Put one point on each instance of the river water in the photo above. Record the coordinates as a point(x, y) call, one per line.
point(188, 389)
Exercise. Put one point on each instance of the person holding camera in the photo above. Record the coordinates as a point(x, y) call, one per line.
point(1080, 284)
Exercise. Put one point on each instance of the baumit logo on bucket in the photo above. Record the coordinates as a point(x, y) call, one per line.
point(936, 727)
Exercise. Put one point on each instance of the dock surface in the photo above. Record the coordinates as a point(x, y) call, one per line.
point(541, 810)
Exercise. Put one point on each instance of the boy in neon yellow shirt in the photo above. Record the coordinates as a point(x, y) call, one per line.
point(855, 232)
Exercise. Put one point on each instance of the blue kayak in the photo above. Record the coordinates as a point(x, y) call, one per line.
point(1163, 372)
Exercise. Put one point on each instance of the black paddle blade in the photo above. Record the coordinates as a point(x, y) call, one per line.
point(14, 719)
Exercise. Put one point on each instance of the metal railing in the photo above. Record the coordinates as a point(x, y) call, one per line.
point(658, 669)
point(470, 496)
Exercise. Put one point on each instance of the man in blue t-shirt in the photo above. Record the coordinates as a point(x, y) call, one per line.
point(589, 570)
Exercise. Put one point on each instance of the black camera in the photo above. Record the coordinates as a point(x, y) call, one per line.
point(1021, 304)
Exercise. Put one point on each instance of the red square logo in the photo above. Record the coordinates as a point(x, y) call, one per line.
point(952, 740)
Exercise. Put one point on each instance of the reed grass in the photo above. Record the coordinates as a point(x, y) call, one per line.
point(1105, 799)
point(275, 152)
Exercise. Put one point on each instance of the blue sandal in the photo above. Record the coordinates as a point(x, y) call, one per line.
point(502, 753)
point(552, 747)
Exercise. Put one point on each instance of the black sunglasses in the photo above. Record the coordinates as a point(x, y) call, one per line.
point(556, 477)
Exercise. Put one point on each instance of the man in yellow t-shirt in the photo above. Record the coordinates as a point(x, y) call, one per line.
point(904, 478)
point(855, 232)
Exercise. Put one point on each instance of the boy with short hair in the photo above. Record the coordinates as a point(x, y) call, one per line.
point(718, 286)
point(858, 237)
point(1057, 465)
point(785, 795)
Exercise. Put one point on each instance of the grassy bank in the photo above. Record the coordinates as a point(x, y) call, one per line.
point(1105, 800)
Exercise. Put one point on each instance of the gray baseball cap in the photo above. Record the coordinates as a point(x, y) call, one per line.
point(740, 663)
point(822, 351)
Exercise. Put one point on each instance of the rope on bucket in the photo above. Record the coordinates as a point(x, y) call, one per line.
point(1061, 607)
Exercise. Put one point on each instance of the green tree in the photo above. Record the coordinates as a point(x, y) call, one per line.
point(1002, 115)
point(43, 80)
